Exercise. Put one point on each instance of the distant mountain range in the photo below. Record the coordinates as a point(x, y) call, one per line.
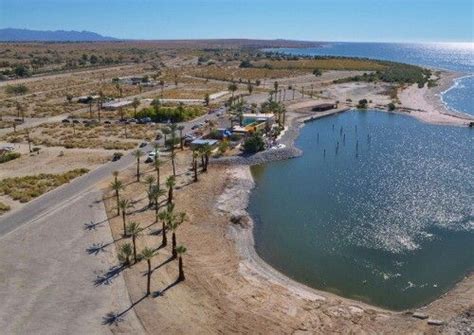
point(26, 35)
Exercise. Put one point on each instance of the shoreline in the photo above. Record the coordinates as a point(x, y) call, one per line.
point(427, 104)
point(236, 197)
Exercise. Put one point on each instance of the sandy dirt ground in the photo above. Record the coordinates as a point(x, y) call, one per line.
point(56, 278)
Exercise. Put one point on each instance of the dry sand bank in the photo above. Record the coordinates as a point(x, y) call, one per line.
point(425, 104)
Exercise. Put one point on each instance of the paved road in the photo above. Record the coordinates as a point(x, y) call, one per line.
point(41, 206)
point(53, 274)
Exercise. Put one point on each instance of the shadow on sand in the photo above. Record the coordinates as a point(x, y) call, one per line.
point(109, 276)
point(113, 318)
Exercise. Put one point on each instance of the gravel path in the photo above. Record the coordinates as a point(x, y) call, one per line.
point(53, 274)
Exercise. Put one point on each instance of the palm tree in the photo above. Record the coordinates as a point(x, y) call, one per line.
point(117, 186)
point(207, 152)
point(135, 104)
point(149, 180)
point(137, 154)
point(195, 165)
point(166, 131)
point(154, 195)
point(275, 86)
point(250, 88)
point(125, 252)
point(162, 84)
point(181, 142)
point(181, 250)
point(170, 183)
point(207, 99)
point(156, 164)
point(91, 100)
point(100, 102)
point(163, 216)
point(125, 204)
point(238, 111)
point(147, 254)
point(173, 162)
point(115, 174)
point(134, 230)
point(232, 87)
point(174, 220)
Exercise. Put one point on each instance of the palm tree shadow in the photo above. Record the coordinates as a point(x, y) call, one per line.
point(93, 225)
point(113, 318)
point(96, 248)
point(162, 263)
point(109, 275)
point(157, 294)
point(155, 232)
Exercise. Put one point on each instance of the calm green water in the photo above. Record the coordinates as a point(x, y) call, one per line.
point(386, 216)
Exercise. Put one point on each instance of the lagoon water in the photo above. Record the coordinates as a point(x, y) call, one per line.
point(457, 57)
point(380, 208)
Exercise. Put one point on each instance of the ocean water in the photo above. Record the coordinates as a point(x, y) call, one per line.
point(379, 208)
point(457, 57)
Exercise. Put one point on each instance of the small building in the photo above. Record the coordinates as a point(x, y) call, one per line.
point(200, 142)
point(133, 80)
point(249, 118)
point(116, 104)
point(324, 107)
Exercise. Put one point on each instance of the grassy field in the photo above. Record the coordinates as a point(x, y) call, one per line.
point(349, 64)
point(24, 189)
point(243, 74)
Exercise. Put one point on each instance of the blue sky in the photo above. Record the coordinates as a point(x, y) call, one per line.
point(316, 20)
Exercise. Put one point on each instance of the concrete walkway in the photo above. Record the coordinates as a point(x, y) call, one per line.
point(57, 275)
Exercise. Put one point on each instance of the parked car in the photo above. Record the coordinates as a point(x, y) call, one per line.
point(143, 144)
point(188, 139)
point(116, 156)
point(66, 121)
point(107, 122)
point(151, 157)
point(76, 121)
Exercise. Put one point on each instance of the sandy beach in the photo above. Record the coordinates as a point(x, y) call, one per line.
point(426, 105)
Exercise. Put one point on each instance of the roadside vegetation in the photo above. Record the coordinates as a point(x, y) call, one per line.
point(395, 73)
point(181, 113)
point(321, 63)
point(8, 156)
point(4, 208)
point(24, 189)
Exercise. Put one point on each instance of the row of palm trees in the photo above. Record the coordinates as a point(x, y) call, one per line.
point(170, 219)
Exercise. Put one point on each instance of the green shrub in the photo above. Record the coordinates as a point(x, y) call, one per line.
point(8, 156)
point(254, 143)
point(391, 106)
point(175, 114)
point(362, 103)
point(4, 208)
point(26, 188)
point(16, 89)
